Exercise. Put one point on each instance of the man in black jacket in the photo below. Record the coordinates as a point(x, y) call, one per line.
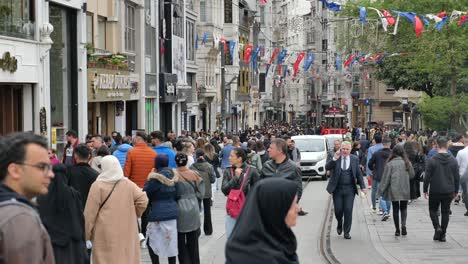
point(280, 165)
point(443, 178)
point(377, 165)
point(81, 176)
point(342, 185)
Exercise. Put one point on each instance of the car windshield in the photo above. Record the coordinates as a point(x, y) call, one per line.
point(310, 145)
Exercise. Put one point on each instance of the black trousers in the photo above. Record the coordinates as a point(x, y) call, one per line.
point(188, 247)
point(400, 207)
point(155, 258)
point(144, 220)
point(444, 201)
point(343, 201)
point(207, 225)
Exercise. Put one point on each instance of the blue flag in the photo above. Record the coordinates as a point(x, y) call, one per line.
point(255, 54)
point(205, 36)
point(337, 62)
point(407, 15)
point(442, 23)
point(281, 56)
point(362, 14)
point(232, 44)
point(309, 61)
point(332, 6)
point(285, 70)
point(425, 21)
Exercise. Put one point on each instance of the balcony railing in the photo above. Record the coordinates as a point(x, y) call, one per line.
point(17, 28)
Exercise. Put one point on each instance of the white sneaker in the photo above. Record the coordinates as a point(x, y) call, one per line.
point(143, 244)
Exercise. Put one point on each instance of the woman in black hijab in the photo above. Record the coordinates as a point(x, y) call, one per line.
point(262, 233)
point(61, 213)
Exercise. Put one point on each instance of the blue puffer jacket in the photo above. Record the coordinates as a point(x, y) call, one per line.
point(161, 192)
point(121, 153)
point(169, 152)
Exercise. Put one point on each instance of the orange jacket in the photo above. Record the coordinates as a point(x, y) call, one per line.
point(140, 161)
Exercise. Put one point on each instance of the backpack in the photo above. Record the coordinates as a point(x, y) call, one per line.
point(236, 198)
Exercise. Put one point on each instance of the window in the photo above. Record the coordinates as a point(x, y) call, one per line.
point(89, 29)
point(324, 45)
point(178, 19)
point(262, 15)
point(227, 11)
point(101, 34)
point(202, 11)
point(17, 18)
point(191, 41)
point(130, 29)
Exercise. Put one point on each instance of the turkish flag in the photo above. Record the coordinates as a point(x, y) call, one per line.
point(349, 60)
point(442, 14)
point(275, 52)
point(298, 61)
point(223, 40)
point(391, 21)
point(463, 20)
point(418, 26)
point(247, 53)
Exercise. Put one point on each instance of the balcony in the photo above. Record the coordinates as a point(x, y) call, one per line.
point(18, 28)
point(99, 58)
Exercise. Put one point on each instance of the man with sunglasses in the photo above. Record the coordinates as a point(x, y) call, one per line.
point(25, 172)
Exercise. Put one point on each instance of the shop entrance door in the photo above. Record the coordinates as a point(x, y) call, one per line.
point(11, 109)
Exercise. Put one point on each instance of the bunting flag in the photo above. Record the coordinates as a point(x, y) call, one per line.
point(442, 14)
point(223, 40)
point(463, 20)
point(455, 15)
point(435, 18)
point(390, 19)
point(279, 67)
point(382, 17)
point(274, 55)
point(332, 6)
point(281, 56)
point(425, 21)
point(337, 62)
point(255, 54)
point(377, 56)
point(196, 43)
point(381, 58)
point(232, 45)
point(263, 1)
point(298, 61)
point(349, 60)
point(247, 53)
point(441, 24)
point(205, 36)
point(362, 14)
point(309, 61)
point(413, 18)
point(285, 71)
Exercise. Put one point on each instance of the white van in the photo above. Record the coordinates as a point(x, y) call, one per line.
point(314, 151)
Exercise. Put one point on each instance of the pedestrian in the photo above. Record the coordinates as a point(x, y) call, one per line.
point(239, 176)
point(25, 172)
point(113, 206)
point(462, 159)
point(72, 141)
point(377, 165)
point(225, 154)
point(212, 157)
point(293, 152)
point(98, 142)
point(190, 190)
point(342, 185)
point(207, 173)
point(281, 166)
point(443, 178)
point(161, 231)
point(121, 152)
point(189, 150)
point(157, 140)
point(395, 186)
point(96, 161)
point(139, 163)
point(61, 212)
point(262, 152)
point(374, 148)
point(416, 157)
point(117, 141)
point(263, 232)
point(53, 157)
point(81, 176)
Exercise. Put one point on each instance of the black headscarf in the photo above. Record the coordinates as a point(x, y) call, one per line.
point(261, 234)
point(61, 210)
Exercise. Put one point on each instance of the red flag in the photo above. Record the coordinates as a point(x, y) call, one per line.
point(280, 68)
point(223, 40)
point(463, 20)
point(418, 26)
point(263, 1)
point(388, 17)
point(247, 53)
point(377, 56)
point(274, 55)
point(442, 14)
point(298, 61)
point(349, 60)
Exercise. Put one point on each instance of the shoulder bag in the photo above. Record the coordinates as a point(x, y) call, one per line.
point(236, 198)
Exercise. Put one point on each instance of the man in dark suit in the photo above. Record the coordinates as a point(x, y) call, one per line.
point(342, 185)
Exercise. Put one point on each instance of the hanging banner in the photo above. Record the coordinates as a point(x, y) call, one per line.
point(309, 61)
point(247, 53)
point(223, 40)
point(362, 14)
point(298, 61)
point(274, 55)
point(205, 36)
point(232, 45)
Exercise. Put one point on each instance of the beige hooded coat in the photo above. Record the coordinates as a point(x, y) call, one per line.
point(113, 230)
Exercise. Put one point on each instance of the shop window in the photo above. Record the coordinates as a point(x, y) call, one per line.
point(130, 27)
point(11, 109)
point(17, 18)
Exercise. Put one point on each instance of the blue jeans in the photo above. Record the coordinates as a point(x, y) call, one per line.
point(375, 189)
point(230, 223)
point(384, 205)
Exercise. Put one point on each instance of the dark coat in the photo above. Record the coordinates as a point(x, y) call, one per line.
point(377, 163)
point(335, 166)
point(81, 176)
point(442, 174)
point(230, 181)
point(206, 171)
point(161, 192)
point(287, 170)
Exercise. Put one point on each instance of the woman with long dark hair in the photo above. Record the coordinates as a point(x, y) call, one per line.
point(395, 186)
point(416, 157)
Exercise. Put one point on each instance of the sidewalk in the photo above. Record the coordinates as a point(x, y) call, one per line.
point(377, 241)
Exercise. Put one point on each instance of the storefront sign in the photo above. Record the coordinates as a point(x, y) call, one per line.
point(110, 85)
point(8, 63)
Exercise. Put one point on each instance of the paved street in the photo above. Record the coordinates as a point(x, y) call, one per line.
point(314, 201)
point(373, 241)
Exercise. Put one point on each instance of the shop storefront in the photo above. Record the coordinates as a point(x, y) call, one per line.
point(112, 101)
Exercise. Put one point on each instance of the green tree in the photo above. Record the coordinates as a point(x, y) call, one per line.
point(437, 62)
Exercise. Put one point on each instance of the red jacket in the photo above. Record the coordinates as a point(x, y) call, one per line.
point(65, 152)
point(139, 163)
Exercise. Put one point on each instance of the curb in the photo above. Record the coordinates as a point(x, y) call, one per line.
point(324, 243)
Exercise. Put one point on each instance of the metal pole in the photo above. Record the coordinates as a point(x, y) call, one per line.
point(223, 87)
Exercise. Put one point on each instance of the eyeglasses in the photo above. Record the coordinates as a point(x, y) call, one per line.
point(44, 167)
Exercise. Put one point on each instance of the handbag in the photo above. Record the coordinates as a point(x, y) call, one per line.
point(236, 198)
